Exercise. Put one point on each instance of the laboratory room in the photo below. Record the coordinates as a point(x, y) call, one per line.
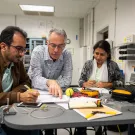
point(67, 67)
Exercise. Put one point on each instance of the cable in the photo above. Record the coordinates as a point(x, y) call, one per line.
point(55, 115)
point(26, 110)
point(119, 129)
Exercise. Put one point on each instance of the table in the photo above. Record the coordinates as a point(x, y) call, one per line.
point(69, 119)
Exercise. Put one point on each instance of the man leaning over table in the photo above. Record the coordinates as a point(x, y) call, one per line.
point(12, 73)
point(51, 65)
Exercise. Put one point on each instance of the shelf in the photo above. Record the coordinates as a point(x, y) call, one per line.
point(127, 58)
point(31, 43)
point(127, 46)
point(127, 51)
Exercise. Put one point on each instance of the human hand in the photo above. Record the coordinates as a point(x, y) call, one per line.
point(54, 88)
point(89, 83)
point(100, 84)
point(29, 96)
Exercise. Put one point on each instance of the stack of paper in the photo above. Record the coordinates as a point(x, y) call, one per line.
point(45, 97)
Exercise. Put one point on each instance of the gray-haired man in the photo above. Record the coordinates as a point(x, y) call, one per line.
point(51, 65)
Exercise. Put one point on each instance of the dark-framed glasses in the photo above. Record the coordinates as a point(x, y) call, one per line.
point(60, 47)
point(20, 49)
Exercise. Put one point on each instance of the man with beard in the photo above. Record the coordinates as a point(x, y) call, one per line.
point(13, 76)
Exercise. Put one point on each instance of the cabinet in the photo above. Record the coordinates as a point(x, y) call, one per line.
point(127, 52)
point(30, 45)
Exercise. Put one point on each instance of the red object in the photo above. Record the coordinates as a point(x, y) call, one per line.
point(78, 94)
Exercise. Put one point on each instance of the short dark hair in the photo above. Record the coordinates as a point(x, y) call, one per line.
point(7, 34)
point(105, 46)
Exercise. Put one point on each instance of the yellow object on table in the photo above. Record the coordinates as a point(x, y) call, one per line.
point(90, 93)
point(99, 112)
point(69, 92)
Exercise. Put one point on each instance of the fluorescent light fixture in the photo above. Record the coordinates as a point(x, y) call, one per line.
point(37, 8)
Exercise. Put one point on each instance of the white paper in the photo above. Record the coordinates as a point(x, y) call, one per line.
point(64, 105)
point(101, 90)
point(41, 92)
point(51, 99)
point(46, 97)
point(84, 99)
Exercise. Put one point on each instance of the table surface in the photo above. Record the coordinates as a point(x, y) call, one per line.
point(69, 118)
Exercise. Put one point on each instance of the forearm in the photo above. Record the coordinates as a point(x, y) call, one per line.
point(118, 84)
point(81, 82)
point(108, 85)
point(40, 83)
point(11, 95)
point(64, 81)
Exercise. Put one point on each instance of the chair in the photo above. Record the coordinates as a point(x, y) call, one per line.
point(99, 131)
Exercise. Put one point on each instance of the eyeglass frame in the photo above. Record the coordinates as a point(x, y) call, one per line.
point(60, 46)
point(20, 49)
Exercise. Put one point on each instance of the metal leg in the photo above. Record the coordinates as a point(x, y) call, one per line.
point(131, 130)
point(99, 131)
point(55, 131)
point(70, 130)
point(105, 130)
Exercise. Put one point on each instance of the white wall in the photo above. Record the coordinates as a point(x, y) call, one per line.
point(6, 20)
point(36, 27)
point(125, 24)
point(104, 16)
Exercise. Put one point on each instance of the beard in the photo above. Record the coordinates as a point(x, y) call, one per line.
point(14, 58)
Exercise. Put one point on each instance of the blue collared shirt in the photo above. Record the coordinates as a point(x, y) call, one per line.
point(42, 68)
point(7, 79)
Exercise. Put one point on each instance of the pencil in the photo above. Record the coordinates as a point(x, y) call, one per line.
point(28, 87)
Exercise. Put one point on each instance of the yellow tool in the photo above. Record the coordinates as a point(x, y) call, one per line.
point(119, 91)
point(90, 93)
point(95, 112)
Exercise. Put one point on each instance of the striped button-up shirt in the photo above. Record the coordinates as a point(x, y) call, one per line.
point(42, 68)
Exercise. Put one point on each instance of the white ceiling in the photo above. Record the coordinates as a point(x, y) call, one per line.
point(63, 8)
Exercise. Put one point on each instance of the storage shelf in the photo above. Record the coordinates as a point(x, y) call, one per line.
point(127, 57)
point(30, 45)
point(127, 52)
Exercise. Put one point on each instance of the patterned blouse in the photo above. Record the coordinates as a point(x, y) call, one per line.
point(114, 74)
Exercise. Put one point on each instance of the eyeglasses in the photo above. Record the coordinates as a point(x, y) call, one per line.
point(60, 47)
point(20, 49)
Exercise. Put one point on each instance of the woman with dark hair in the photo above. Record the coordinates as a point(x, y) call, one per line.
point(101, 71)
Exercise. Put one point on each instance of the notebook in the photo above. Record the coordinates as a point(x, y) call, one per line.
point(81, 104)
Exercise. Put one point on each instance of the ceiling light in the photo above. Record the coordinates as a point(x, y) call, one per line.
point(37, 8)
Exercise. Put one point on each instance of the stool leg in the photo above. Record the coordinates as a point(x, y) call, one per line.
point(99, 131)
point(70, 130)
point(105, 130)
point(55, 131)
